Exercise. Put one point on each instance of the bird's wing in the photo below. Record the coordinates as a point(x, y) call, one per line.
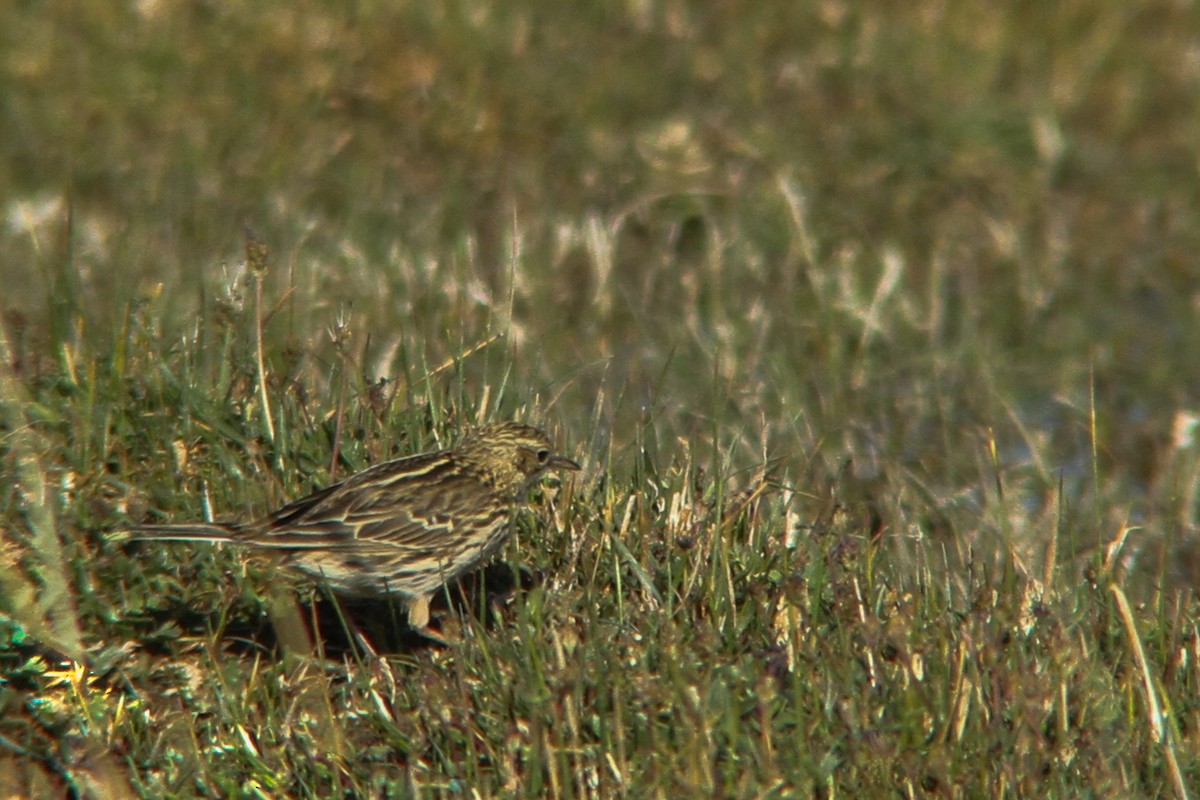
point(414, 503)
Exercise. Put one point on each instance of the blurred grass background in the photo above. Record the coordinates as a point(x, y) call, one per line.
point(874, 326)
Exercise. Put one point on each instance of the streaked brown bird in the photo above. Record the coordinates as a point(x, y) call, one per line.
point(406, 526)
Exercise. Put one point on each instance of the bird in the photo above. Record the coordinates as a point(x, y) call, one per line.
point(403, 527)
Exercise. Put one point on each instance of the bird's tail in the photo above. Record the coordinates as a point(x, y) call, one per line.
point(190, 531)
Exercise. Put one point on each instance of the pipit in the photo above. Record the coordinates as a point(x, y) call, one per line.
point(406, 526)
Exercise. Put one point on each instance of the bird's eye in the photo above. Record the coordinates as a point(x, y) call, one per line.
point(543, 455)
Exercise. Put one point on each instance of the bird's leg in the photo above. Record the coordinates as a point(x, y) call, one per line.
point(418, 613)
point(418, 620)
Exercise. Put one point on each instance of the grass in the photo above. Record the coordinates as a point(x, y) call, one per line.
point(873, 328)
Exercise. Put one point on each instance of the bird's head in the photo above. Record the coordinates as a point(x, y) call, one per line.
point(512, 455)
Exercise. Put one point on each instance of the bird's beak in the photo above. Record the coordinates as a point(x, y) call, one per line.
point(562, 462)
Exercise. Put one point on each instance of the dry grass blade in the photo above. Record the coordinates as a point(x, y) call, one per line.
point(1154, 716)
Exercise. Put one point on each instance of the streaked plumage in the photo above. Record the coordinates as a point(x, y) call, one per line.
point(405, 526)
